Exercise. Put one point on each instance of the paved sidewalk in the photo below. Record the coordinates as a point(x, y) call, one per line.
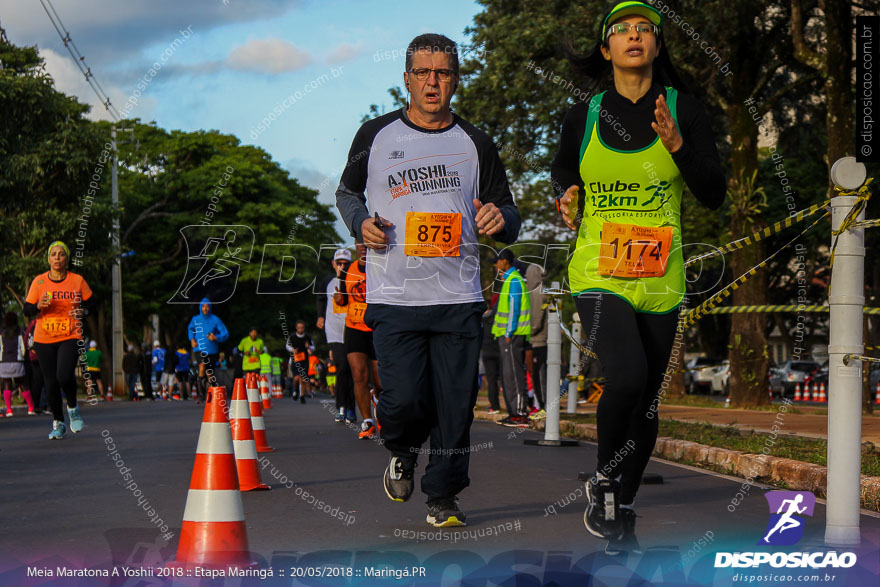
point(814, 425)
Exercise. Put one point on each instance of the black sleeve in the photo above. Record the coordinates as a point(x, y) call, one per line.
point(492, 183)
point(565, 169)
point(698, 159)
point(342, 289)
point(89, 305)
point(351, 199)
point(30, 310)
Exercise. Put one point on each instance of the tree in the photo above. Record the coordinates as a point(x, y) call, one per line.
point(47, 156)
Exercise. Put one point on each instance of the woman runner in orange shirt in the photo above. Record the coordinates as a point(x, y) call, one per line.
point(59, 299)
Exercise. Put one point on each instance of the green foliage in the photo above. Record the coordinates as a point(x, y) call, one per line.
point(49, 154)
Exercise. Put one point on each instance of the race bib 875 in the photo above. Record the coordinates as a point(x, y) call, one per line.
point(430, 234)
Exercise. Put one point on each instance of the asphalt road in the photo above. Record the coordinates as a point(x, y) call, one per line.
point(65, 504)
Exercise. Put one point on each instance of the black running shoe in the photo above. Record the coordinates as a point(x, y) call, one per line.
point(443, 512)
point(399, 479)
point(626, 540)
point(602, 516)
point(515, 422)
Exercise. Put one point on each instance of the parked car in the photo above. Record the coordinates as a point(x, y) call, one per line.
point(721, 378)
point(790, 374)
point(818, 376)
point(698, 376)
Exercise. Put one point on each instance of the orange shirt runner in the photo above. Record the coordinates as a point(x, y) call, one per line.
point(356, 288)
point(56, 322)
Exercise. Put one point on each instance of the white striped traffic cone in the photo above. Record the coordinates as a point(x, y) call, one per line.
point(213, 532)
point(257, 422)
point(822, 397)
point(243, 440)
point(264, 392)
point(877, 394)
point(797, 392)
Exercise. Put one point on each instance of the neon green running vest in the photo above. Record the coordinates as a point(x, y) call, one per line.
point(502, 314)
point(276, 366)
point(265, 364)
point(641, 187)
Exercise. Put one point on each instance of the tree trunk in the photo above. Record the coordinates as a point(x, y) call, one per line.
point(749, 358)
point(838, 81)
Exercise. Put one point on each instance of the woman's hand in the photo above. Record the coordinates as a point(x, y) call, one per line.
point(565, 203)
point(44, 301)
point(665, 127)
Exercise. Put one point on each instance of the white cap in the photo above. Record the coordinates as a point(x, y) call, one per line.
point(342, 254)
point(155, 343)
point(93, 344)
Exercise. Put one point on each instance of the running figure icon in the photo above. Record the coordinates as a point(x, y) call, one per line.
point(787, 522)
point(214, 267)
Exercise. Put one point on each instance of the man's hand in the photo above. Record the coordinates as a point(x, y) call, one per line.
point(565, 203)
point(374, 237)
point(211, 337)
point(489, 219)
point(321, 323)
point(193, 342)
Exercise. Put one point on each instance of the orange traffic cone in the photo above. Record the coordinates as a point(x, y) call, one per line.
point(264, 392)
point(276, 391)
point(243, 440)
point(256, 407)
point(109, 394)
point(815, 396)
point(797, 392)
point(213, 532)
point(822, 397)
point(877, 394)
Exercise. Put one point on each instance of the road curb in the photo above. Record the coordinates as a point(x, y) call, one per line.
point(796, 475)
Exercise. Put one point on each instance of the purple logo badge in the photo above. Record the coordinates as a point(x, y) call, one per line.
point(786, 527)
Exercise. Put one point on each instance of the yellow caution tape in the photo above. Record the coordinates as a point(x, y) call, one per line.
point(761, 234)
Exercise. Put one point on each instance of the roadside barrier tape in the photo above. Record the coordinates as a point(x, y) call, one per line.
point(761, 234)
point(779, 308)
point(864, 194)
point(866, 223)
point(848, 358)
point(701, 310)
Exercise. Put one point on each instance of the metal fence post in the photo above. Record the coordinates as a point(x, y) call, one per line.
point(847, 301)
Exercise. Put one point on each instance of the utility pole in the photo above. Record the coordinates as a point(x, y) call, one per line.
point(118, 376)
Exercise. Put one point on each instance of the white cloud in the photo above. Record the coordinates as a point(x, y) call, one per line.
point(268, 56)
point(344, 52)
point(70, 80)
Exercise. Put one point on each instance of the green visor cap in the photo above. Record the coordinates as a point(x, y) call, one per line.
point(639, 8)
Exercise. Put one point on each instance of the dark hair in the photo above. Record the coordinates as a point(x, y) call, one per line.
point(434, 43)
point(10, 325)
point(298, 322)
point(598, 72)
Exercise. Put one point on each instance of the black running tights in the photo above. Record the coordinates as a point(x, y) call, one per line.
point(633, 348)
point(57, 361)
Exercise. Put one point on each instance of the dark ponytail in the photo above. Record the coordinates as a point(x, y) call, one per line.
point(597, 72)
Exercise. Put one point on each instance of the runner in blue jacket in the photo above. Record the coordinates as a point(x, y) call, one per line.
point(205, 331)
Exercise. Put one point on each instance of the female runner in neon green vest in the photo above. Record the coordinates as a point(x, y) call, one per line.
point(627, 155)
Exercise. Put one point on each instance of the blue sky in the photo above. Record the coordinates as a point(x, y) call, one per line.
point(240, 60)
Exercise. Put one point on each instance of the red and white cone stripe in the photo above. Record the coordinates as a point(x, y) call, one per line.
point(257, 422)
point(243, 440)
point(213, 533)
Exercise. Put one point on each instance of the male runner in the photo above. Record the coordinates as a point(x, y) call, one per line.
point(331, 318)
point(299, 346)
point(205, 331)
point(359, 339)
point(420, 184)
point(251, 347)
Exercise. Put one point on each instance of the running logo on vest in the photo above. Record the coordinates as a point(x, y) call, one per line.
point(422, 179)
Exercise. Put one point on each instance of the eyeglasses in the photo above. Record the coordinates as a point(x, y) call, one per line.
point(642, 28)
point(443, 75)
